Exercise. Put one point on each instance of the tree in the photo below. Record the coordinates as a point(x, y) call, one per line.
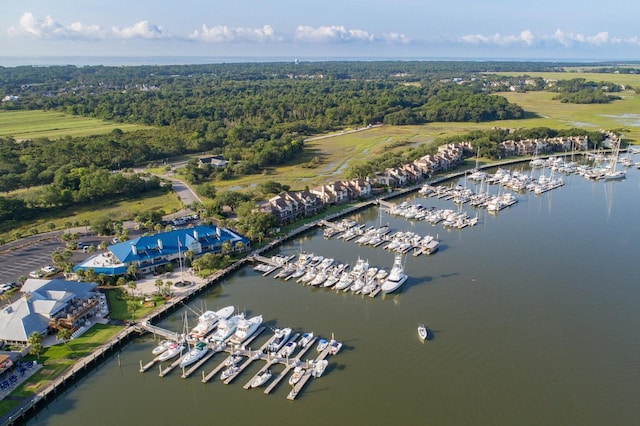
point(132, 307)
point(159, 283)
point(64, 334)
point(132, 270)
point(35, 341)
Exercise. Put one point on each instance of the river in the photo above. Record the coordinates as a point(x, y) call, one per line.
point(534, 314)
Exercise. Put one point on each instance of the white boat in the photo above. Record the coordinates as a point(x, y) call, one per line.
point(280, 336)
point(287, 350)
point(322, 345)
point(396, 276)
point(246, 328)
point(345, 281)
point(208, 320)
point(334, 346)
point(318, 368)
point(196, 353)
point(226, 327)
point(162, 346)
point(298, 372)
point(172, 351)
point(305, 339)
point(233, 359)
point(228, 372)
point(422, 332)
point(261, 379)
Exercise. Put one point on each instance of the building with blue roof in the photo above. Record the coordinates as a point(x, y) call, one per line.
point(149, 252)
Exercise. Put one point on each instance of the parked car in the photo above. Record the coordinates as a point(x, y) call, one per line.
point(36, 274)
point(115, 241)
point(49, 270)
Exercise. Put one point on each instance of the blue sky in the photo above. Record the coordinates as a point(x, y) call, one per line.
point(507, 29)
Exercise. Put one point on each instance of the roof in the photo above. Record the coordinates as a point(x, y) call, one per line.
point(169, 243)
point(42, 300)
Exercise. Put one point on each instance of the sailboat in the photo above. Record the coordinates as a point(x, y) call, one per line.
point(611, 173)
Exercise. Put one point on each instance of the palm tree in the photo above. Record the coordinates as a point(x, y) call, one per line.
point(64, 334)
point(226, 247)
point(132, 270)
point(35, 341)
point(132, 308)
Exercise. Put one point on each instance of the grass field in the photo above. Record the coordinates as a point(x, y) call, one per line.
point(53, 125)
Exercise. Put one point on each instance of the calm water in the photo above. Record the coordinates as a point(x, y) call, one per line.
point(534, 313)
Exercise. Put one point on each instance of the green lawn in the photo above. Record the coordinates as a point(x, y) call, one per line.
point(119, 308)
point(50, 124)
point(56, 359)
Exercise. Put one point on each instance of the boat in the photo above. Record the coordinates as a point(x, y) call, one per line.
point(287, 350)
point(318, 367)
point(233, 359)
point(396, 276)
point(298, 372)
point(280, 336)
point(322, 345)
point(344, 282)
point(422, 332)
point(246, 328)
point(305, 339)
point(334, 346)
point(208, 320)
point(261, 379)
point(172, 351)
point(162, 346)
point(197, 352)
point(228, 372)
point(226, 327)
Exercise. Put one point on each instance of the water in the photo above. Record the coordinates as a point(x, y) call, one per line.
point(534, 314)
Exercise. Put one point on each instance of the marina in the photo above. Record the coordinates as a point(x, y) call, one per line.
point(472, 370)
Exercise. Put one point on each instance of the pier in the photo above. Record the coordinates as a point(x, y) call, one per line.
point(289, 365)
point(297, 388)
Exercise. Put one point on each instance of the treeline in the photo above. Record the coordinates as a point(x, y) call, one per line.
point(581, 91)
point(75, 185)
point(255, 115)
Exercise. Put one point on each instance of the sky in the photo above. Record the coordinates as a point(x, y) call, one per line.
point(584, 30)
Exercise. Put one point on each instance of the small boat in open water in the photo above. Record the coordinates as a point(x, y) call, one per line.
point(423, 333)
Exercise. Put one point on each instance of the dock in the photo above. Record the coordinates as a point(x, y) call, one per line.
point(289, 364)
point(167, 334)
point(212, 351)
point(297, 388)
point(170, 367)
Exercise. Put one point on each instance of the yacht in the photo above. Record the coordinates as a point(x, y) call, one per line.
point(172, 351)
point(208, 320)
point(162, 346)
point(261, 379)
point(396, 276)
point(228, 372)
point(196, 353)
point(344, 282)
point(322, 345)
point(280, 336)
point(226, 327)
point(334, 346)
point(288, 349)
point(246, 328)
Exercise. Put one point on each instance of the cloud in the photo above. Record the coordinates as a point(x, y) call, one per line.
point(142, 29)
point(396, 38)
point(222, 34)
point(325, 34)
point(48, 28)
point(569, 39)
point(525, 37)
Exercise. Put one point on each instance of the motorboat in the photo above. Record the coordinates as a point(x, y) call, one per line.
point(334, 346)
point(280, 336)
point(197, 352)
point(298, 372)
point(305, 339)
point(246, 328)
point(208, 320)
point(322, 345)
point(228, 372)
point(423, 333)
point(396, 276)
point(162, 346)
point(226, 327)
point(287, 350)
point(318, 367)
point(261, 379)
point(344, 282)
point(172, 351)
point(233, 359)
